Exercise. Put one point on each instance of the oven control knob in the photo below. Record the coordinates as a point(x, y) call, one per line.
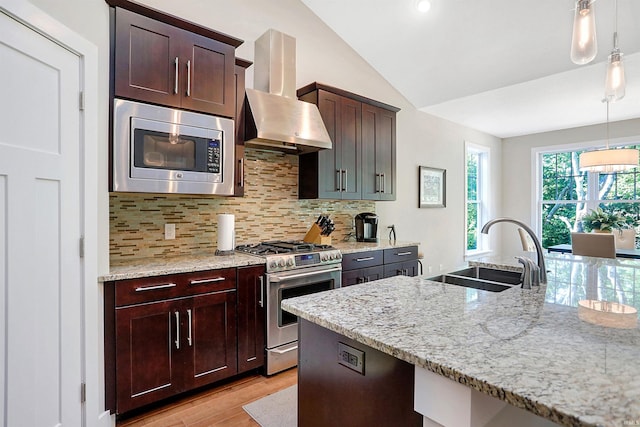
point(339, 255)
point(273, 264)
point(323, 258)
point(290, 262)
point(281, 263)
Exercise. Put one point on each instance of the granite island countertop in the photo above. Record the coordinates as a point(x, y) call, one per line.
point(158, 266)
point(526, 347)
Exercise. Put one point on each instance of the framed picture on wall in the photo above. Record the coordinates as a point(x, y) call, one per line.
point(432, 185)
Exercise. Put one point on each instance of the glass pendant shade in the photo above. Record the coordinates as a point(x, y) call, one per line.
point(609, 160)
point(583, 43)
point(615, 83)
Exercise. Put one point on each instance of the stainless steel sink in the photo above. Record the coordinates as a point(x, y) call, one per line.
point(486, 279)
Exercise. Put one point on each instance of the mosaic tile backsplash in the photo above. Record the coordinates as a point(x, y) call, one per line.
point(270, 209)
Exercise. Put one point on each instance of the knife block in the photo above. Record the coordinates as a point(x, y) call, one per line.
point(314, 236)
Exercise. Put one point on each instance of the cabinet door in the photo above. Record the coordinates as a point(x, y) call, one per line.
point(378, 153)
point(407, 268)
point(330, 161)
point(209, 80)
point(146, 52)
point(363, 275)
point(350, 150)
point(251, 318)
point(145, 344)
point(240, 123)
point(209, 330)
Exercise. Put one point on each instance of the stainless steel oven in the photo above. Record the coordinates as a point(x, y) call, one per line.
point(293, 269)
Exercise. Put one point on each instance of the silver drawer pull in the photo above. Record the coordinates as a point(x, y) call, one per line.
point(153, 288)
point(200, 282)
point(177, 341)
point(369, 258)
point(190, 323)
point(403, 253)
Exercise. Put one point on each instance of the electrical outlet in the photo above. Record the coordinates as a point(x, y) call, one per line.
point(351, 357)
point(430, 269)
point(441, 267)
point(169, 231)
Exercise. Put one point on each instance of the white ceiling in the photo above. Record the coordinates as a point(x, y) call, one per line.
point(499, 66)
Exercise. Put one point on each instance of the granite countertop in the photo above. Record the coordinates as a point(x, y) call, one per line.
point(149, 267)
point(526, 347)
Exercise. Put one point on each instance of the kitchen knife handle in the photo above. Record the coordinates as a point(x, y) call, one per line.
point(189, 78)
point(175, 85)
point(177, 313)
point(190, 322)
point(261, 302)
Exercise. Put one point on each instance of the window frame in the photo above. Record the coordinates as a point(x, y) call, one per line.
point(482, 196)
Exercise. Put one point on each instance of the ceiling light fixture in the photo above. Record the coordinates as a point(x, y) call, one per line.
point(610, 159)
point(615, 83)
point(423, 5)
point(583, 43)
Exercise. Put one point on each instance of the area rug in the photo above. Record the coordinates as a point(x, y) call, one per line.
point(279, 409)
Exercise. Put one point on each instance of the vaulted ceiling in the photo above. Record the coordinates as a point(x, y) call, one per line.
point(499, 66)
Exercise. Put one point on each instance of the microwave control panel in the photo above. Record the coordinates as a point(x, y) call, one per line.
point(214, 156)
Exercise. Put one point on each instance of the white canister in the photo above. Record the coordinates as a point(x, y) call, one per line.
point(226, 232)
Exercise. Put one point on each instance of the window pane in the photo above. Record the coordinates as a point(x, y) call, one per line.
point(472, 226)
point(556, 222)
point(472, 175)
point(559, 180)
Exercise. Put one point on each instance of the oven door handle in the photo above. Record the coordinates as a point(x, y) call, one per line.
point(297, 276)
point(285, 350)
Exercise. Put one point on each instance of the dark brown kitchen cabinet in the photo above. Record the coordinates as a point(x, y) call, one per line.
point(160, 63)
point(367, 266)
point(251, 318)
point(361, 164)
point(240, 68)
point(168, 334)
point(378, 153)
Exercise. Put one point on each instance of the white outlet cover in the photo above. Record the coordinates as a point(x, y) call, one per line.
point(169, 231)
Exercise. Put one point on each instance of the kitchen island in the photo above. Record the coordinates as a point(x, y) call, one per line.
point(524, 347)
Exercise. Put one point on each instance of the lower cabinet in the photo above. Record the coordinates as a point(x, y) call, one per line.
point(362, 267)
point(251, 318)
point(169, 334)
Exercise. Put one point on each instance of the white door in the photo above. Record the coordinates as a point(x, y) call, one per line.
point(40, 223)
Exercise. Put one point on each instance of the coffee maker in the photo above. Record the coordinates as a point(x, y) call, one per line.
point(367, 227)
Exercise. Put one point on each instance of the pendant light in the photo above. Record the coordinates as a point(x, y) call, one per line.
point(583, 42)
point(610, 159)
point(615, 82)
point(423, 5)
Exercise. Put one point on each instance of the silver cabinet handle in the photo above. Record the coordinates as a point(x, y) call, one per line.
point(345, 183)
point(339, 180)
point(189, 78)
point(403, 253)
point(153, 288)
point(203, 281)
point(175, 85)
point(241, 172)
point(383, 183)
point(177, 330)
point(369, 258)
point(261, 302)
point(190, 322)
point(378, 184)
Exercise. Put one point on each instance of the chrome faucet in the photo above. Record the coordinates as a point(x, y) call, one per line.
point(536, 242)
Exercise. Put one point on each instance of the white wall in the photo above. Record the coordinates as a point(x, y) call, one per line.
point(518, 187)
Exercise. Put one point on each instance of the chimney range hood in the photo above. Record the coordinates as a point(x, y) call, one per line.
point(276, 119)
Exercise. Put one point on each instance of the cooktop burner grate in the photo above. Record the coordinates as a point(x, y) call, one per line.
point(281, 247)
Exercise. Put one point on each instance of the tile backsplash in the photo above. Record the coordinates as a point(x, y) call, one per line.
point(270, 209)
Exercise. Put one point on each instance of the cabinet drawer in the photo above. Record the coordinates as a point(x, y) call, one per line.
point(362, 260)
point(364, 275)
point(400, 254)
point(148, 289)
point(407, 268)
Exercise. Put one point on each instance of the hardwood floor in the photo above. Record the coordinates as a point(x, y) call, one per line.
point(216, 407)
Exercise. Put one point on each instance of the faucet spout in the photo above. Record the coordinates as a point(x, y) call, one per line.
point(536, 242)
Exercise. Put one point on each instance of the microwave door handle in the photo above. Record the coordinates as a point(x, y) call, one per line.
point(297, 276)
point(175, 84)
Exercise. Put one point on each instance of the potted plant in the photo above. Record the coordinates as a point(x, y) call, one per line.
point(599, 221)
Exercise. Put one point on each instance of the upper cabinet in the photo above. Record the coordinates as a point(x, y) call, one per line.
point(362, 162)
point(163, 60)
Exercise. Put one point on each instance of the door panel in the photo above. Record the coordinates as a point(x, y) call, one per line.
point(350, 122)
point(329, 161)
point(40, 285)
point(213, 330)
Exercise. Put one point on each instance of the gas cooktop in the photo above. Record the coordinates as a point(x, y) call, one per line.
point(282, 247)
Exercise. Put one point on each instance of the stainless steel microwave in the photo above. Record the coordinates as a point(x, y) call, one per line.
point(164, 150)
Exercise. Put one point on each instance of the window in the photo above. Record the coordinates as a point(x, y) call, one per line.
point(477, 179)
point(566, 194)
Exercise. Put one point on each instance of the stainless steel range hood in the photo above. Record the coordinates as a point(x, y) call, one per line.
point(276, 120)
